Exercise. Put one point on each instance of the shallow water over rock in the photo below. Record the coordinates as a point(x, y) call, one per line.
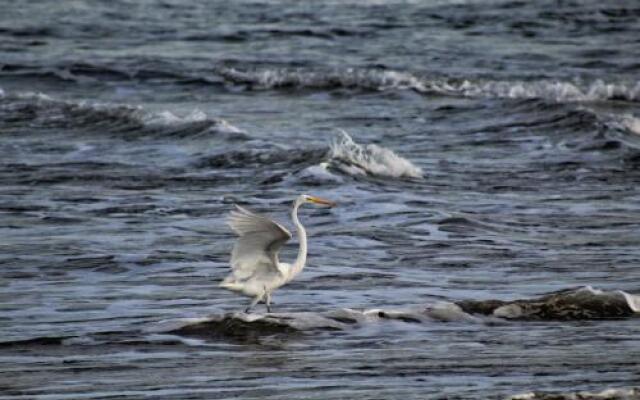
point(486, 243)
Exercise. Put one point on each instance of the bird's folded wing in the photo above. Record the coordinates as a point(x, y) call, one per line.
point(257, 247)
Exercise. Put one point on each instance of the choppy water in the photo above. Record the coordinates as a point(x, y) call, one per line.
point(491, 151)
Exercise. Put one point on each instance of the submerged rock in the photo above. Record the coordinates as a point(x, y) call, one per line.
point(573, 304)
point(244, 326)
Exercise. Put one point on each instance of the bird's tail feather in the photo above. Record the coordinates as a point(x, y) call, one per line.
point(230, 283)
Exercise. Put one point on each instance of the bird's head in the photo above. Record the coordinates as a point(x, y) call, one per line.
point(305, 198)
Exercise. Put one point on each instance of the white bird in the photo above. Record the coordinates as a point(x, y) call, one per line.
point(255, 269)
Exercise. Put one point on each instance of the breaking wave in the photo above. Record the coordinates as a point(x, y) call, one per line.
point(355, 159)
point(301, 78)
point(316, 164)
point(315, 78)
point(377, 79)
point(615, 130)
point(37, 110)
point(627, 123)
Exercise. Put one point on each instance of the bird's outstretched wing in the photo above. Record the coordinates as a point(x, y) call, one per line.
point(258, 245)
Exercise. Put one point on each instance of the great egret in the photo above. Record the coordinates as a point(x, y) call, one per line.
point(255, 269)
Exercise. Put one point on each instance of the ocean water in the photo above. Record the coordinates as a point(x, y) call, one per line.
point(485, 156)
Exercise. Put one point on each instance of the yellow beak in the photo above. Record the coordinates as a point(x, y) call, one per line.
point(318, 200)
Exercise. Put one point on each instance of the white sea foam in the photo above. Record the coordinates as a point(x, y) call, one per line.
point(356, 159)
point(349, 77)
point(632, 300)
point(622, 127)
point(557, 91)
point(376, 79)
point(631, 123)
point(167, 118)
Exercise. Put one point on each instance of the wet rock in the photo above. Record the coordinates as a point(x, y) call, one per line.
point(252, 326)
point(572, 304)
point(248, 327)
point(485, 307)
point(234, 327)
point(609, 394)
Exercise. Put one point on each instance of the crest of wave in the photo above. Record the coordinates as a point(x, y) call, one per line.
point(375, 79)
point(551, 90)
point(631, 123)
point(356, 159)
point(350, 78)
point(624, 122)
point(167, 118)
point(39, 108)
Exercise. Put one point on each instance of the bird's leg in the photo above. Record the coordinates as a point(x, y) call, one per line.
point(253, 303)
point(268, 296)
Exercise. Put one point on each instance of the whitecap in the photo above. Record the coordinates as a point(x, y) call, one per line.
point(631, 124)
point(560, 91)
point(557, 91)
point(368, 79)
point(356, 159)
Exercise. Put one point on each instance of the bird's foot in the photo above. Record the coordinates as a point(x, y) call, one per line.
point(268, 309)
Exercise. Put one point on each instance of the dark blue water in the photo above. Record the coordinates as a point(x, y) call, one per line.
point(491, 150)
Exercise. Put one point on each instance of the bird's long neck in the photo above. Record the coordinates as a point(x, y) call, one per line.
point(298, 265)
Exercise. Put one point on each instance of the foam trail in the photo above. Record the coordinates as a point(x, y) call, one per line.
point(356, 159)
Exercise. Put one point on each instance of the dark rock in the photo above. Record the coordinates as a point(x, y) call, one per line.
point(573, 304)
